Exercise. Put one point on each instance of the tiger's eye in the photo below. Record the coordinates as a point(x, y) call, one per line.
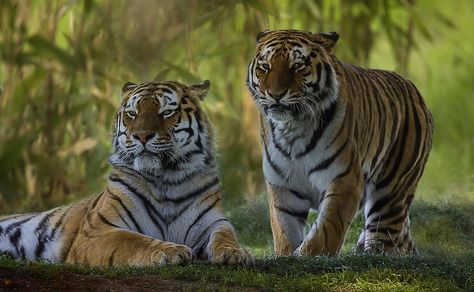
point(167, 113)
point(131, 114)
point(265, 66)
point(298, 66)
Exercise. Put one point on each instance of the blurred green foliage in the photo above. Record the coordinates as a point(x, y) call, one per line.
point(63, 64)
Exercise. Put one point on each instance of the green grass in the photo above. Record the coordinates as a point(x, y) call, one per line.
point(443, 232)
point(339, 273)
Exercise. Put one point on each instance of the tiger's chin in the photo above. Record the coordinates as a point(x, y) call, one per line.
point(278, 115)
point(148, 164)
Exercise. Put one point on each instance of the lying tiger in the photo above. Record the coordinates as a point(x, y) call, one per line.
point(162, 202)
point(335, 137)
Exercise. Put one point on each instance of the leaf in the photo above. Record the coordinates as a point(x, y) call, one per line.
point(21, 95)
point(12, 149)
point(422, 27)
point(185, 73)
point(445, 19)
point(43, 47)
point(161, 75)
point(262, 6)
point(79, 147)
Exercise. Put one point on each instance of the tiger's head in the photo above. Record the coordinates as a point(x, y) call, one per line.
point(291, 76)
point(160, 124)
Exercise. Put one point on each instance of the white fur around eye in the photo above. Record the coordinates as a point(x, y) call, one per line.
point(131, 114)
point(167, 113)
point(297, 66)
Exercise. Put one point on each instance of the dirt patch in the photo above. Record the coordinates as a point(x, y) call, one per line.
point(12, 280)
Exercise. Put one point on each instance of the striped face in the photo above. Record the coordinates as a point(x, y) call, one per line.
point(157, 124)
point(290, 76)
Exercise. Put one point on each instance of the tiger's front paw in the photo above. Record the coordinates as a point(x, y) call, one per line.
point(232, 256)
point(313, 248)
point(302, 250)
point(171, 253)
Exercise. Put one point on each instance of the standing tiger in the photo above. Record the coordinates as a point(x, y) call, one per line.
point(162, 202)
point(336, 137)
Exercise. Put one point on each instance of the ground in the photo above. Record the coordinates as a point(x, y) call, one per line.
point(342, 273)
point(444, 233)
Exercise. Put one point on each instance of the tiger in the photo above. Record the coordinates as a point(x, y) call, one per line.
point(336, 138)
point(162, 202)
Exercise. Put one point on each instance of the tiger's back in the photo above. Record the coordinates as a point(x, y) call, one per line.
point(390, 120)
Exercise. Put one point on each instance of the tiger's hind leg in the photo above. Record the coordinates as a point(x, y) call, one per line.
point(371, 243)
point(387, 224)
point(392, 188)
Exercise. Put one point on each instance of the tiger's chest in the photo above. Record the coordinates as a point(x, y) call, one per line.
point(293, 152)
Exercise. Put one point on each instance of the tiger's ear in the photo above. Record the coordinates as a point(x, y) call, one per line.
point(128, 86)
point(262, 34)
point(327, 39)
point(200, 89)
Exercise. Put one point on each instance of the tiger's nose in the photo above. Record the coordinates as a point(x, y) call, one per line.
point(277, 94)
point(143, 137)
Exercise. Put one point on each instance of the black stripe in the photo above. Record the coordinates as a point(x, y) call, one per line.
point(398, 219)
point(18, 223)
point(188, 177)
point(299, 195)
point(382, 109)
point(194, 193)
point(381, 114)
point(129, 214)
point(392, 212)
point(42, 229)
point(329, 76)
point(374, 228)
point(134, 173)
point(212, 225)
point(40, 233)
point(15, 240)
point(117, 211)
point(96, 201)
point(300, 214)
point(348, 168)
point(371, 94)
point(103, 219)
point(275, 142)
point(401, 148)
point(164, 89)
point(339, 132)
point(146, 203)
point(112, 257)
point(417, 144)
point(328, 161)
point(379, 204)
point(326, 117)
point(200, 216)
point(273, 165)
point(319, 68)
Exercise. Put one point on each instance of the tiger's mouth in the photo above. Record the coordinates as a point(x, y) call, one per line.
point(153, 149)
